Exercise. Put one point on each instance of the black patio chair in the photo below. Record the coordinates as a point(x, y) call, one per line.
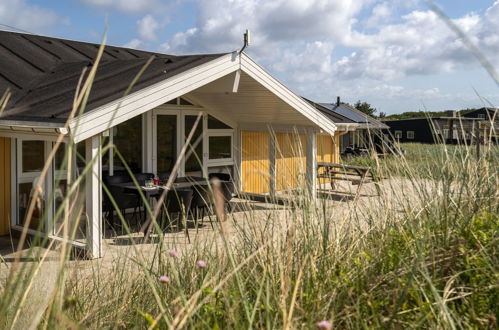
point(229, 190)
point(123, 200)
point(143, 177)
point(163, 176)
point(202, 201)
point(176, 206)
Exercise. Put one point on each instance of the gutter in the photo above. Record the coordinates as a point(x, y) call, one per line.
point(32, 127)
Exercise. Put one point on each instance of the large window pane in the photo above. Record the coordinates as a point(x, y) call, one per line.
point(36, 222)
point(128, 141)
point(166, 142)
point(214, 123)
point(220, 147)
point(33, 156)
point(195, 161)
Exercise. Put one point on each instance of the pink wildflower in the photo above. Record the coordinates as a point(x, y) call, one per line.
point(173, 253)
point(201, 264)
point(164, 279)
point(324, 325)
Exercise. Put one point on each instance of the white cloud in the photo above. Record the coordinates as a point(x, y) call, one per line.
point(380, 12)
point(134, 43)
point(221, 24)
point(130, 6)
point(32, 18)
point(147, 27)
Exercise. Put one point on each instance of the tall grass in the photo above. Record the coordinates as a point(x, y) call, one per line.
point(424, 254)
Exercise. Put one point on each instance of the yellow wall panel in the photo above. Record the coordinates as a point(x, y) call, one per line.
point(291, 150)
point(328, 150)
point(255, 165)
point(4, 186)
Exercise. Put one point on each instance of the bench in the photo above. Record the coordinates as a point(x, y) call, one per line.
point(357, 175)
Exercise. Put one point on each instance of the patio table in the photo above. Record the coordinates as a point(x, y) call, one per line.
point(152, 193)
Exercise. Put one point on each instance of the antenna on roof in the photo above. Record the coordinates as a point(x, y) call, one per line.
point(246, 40)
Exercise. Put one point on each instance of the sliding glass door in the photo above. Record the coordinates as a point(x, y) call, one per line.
point(166, 146)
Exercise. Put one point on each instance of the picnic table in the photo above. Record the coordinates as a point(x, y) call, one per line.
point(357, 175)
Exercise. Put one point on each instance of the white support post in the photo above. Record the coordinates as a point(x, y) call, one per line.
point(312, 163)
point(272, 160)
point(93, 186)
point(111, 152)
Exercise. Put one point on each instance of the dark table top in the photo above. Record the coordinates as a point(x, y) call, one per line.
point(180, 183)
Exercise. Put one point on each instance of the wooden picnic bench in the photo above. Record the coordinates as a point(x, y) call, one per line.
point(357, 175)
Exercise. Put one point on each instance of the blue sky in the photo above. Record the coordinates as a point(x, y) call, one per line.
point(397, 55)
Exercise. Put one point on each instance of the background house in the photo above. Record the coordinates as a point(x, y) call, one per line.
point(452, 129)
point(367, 128)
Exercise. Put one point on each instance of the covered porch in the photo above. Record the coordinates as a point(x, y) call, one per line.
point(251, 128)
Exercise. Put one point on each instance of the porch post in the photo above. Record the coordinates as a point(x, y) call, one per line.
point(311, 174)
point(272, 161)
point(93, 187)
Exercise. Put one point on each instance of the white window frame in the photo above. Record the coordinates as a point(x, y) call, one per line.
point(28, 177)
point(398, 134)
point(410, 135)
point(219, 161)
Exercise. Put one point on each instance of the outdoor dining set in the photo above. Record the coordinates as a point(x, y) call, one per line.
point(187, 198)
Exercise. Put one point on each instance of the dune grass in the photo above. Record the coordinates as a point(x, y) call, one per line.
point(424, 254)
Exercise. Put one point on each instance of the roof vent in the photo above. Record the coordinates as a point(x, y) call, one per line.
point(338, 101)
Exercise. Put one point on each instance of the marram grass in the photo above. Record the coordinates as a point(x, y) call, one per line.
point(422, 255)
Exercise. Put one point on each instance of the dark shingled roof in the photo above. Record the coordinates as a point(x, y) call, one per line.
point(42, 74)
point(335, 117)
point(357, 116)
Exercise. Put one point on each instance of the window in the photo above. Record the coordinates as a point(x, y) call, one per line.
point(398, 134)
point(220, 147)
point(214, 123)
point(127, 138)
point(481, 116)
point(33, 156)
point(410, 135)
point(194, 155)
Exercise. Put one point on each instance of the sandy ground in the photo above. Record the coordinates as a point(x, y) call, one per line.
point(343, 204)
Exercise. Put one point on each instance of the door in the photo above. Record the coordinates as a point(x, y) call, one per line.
point(166, 144)
point(31, 157)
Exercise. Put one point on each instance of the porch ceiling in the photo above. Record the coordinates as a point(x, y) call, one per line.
point(251, 104)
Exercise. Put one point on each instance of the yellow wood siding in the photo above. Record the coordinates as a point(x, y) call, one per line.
point(291, 150)
point(255, 165)
point(328, 150)
point(4, 185)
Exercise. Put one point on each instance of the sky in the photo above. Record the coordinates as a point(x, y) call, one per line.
point(397, 55)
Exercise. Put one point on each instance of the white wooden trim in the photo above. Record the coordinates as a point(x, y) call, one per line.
point(93, 186)
point(118, 111)
point(30, 135)
point(219, 161)
point(272, 167)
point(220, 115)
point(265, 79)
point(13, 183)
point(258, 127)
point(311, 160)
point(237, 78)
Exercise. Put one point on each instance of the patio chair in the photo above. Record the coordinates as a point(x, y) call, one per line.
point(143, 177)
point(229, 190)
point(202, 201)
point(177, 205)
point(163, 176)
point(123, 200)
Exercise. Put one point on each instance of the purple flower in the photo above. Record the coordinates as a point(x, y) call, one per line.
point(164, 279)
point(324, 325)
point(173, 253)
point(201, 263)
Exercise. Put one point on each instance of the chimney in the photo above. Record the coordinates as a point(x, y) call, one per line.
point(338, 102)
